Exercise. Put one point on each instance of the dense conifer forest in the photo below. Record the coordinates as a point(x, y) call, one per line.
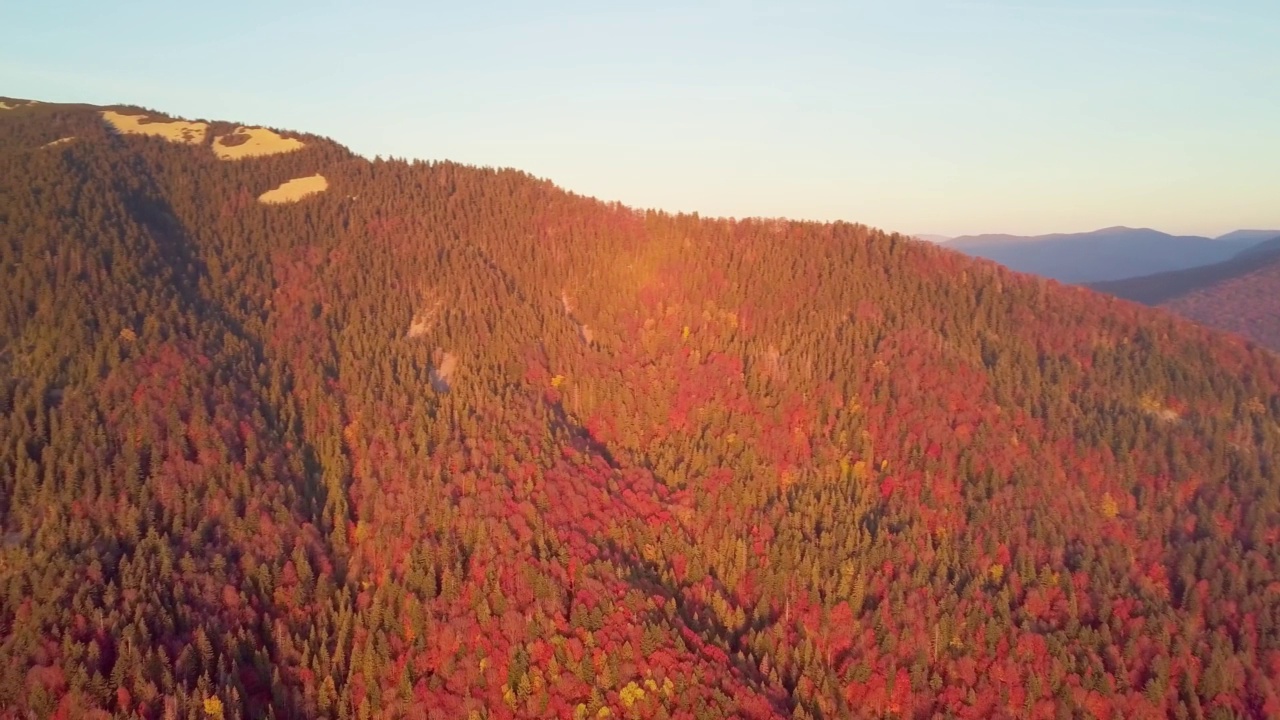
point(450, 442)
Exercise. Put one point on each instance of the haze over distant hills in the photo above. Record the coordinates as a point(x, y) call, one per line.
point(1241, 295)
point(1108, 254)
point(1249, 237)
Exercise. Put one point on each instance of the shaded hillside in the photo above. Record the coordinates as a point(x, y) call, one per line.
point(1248, 238)
point(1241, 295)
point(1264, 249)
point(1163, 287)
point(1107, 254)
point(1246, 304)
point(435, 441)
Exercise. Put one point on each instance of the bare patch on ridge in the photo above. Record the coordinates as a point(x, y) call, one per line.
point(179, 131)
point(294, 190)
point(253, 142)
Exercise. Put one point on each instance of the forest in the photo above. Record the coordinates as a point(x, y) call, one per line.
point(443, 441)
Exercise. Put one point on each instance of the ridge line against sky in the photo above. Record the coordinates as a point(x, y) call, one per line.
point(927, 116)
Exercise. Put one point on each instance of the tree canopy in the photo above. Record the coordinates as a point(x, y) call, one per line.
point(446, 441)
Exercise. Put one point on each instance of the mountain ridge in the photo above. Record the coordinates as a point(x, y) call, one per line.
point(1106, 254)
point(1248, 236)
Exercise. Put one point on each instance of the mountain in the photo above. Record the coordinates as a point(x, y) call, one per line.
point(1263, 249)
point(1241, 295)
point(1246, 238)
point(933, 238)
point(292, 433)
point(1108, 254)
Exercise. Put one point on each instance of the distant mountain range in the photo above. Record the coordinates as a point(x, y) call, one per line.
point(1241, 294)
point(1108, 254)
point(1249, 237)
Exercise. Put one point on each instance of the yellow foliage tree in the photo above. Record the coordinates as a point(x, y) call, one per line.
point(213, 707)
point(860, 471)
point(1109, 506)
point(631, 694)
point(996, 571)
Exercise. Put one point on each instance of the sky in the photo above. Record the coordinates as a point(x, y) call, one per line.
point(921, 116)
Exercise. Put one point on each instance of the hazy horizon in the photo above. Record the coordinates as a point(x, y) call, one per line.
point(949, 118)
point(943, 237)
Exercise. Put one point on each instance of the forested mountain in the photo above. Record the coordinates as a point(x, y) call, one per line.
point(409, 439)
point(1108, 254)
point(1241, 294)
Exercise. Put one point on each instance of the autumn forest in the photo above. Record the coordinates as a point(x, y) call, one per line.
point(440, 441)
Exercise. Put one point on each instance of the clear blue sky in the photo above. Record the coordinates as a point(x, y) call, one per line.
point(942, 116)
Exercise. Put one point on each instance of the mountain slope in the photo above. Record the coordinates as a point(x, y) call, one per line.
point(1264, 249)
point(1101, 255)
point(1247, 238)
point(439, 441)
point(1239, 295)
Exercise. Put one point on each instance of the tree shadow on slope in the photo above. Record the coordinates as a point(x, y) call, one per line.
point(699, 619)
